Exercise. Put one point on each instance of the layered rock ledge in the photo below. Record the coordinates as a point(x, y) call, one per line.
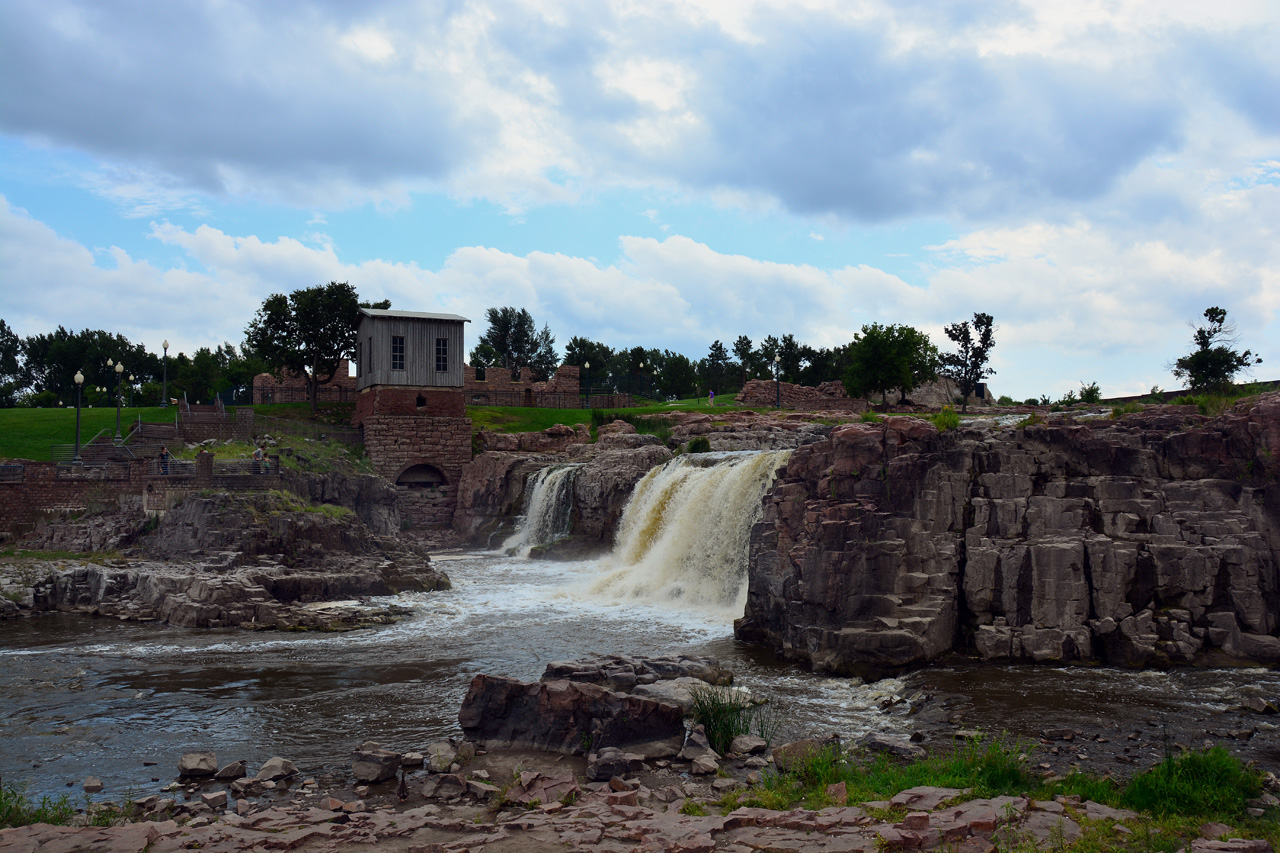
point(1146, 541)
point(251, 560)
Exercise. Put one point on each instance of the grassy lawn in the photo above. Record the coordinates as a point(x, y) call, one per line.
point(28, 433)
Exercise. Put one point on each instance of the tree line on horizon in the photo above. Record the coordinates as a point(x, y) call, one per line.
point(311, 330)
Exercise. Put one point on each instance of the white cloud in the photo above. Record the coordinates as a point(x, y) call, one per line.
point(1076, 302)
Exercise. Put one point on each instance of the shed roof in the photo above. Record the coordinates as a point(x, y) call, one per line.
point(412, 315)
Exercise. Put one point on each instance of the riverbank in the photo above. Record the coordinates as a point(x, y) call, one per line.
point(520, 800)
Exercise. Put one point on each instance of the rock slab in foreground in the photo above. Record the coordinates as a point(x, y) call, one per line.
point(565, 717)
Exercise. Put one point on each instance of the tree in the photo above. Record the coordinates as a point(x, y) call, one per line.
point(746, 357)
point(886, 358)
point(10, 366)
point(715, 365)
point(515, 338)
point(1213, 365)
point(307, 333)
point(968, 366)
point(679, 377)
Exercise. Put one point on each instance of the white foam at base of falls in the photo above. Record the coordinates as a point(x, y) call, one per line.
point(548, 504)
point(684, 534)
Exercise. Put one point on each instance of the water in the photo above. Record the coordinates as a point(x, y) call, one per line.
point(95, 697)
point(547, 512)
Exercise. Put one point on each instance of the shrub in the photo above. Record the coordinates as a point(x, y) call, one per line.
point(725, 713)
point(17, 809)
point(1090, 393)
point(698, 444)
point(1031, 401)
point(870, 417)
point(1128, 408)
point(945, 419)
point(1006, 400)
point(1211, 783)
point(1068, 399)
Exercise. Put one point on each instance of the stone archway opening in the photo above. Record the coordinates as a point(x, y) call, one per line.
point(422, 476)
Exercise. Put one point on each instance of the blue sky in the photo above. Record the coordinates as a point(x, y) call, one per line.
point(1093, 174)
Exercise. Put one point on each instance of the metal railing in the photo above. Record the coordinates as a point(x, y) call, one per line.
point(290, 394)
point(172, 468)
point(12, 473)
point(548, 399)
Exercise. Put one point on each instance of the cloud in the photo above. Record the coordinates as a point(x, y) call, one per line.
point(869, 111)
point(1074, 302)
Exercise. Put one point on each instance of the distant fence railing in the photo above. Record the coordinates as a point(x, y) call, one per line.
point(263, 394)
point(266, 425)
point(549, 400)
point(171, 468)
point(242, 466)
point(12, 473)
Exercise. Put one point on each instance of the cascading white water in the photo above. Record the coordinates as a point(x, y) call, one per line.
point(548, 504)
point(684, 534)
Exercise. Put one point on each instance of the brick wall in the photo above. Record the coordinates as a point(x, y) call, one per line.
point(47, 489)
point(829, 396)
point(412, 401)
point(564, 381)
point(292, 388)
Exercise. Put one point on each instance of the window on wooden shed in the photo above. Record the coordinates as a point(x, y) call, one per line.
point(397, 352)
point(359, 359)
point(370, 349)
point(442, 355)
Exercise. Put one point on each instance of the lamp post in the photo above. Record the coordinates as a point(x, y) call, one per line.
point(777, 380)
point(119, 372)
point(164, 395)
point(131, 381)
point(586, 378)
point(79, 378)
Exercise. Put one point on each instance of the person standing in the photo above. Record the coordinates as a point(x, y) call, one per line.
point(164, 459)
point(711, 398)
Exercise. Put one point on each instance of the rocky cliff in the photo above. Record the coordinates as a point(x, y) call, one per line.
point(1146, 541)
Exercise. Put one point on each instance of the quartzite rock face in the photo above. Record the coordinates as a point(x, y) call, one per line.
point(1150, 540)
point(563, 716)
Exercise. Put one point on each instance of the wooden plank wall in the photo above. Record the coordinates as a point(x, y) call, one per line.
point(419, 352)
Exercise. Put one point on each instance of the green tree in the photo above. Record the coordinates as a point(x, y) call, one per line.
point(307, 333)
point(886, 358)
point(678, 377)
point(715, 366)
point(1213, 365)
point(515, 338)
point(747, 357)
point(968, 365)
point(10, 366)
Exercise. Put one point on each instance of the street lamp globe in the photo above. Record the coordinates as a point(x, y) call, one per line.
point(79, 378)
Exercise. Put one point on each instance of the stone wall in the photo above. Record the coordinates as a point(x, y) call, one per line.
point(827, 397)
point(50, 490)
point(397, 442)
point(1146, 541)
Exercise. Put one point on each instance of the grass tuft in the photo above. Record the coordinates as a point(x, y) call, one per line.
point(18, 809)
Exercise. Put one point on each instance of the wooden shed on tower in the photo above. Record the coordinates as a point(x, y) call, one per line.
point(410, 408)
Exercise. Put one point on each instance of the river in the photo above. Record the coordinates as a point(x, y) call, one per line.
point(122, 701)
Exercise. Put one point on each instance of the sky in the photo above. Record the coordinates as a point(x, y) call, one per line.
point(1092, 173)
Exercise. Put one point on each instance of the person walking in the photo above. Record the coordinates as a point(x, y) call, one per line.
point(711, 398)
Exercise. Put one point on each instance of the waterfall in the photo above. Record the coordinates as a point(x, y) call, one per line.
point(548, 502)
point(684, 533)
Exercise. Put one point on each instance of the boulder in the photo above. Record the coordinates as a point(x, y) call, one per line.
point(274, 769)
point(198, 764)
point(370, 763)
point(234, 770)
point(607, 763)
point(562, 716)
point(704, 765)
point(92, 785)
point(696, 746)
point(440, 756)
point(748, 745)
point(877, 742)
point(792, 756)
